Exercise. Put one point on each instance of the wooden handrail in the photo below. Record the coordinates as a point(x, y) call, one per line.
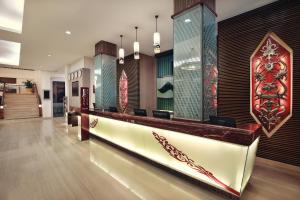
point(2, 99)
point(36, 92)
point(2, 103)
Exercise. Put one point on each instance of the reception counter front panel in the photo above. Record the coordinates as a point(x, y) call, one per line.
point(224, 165)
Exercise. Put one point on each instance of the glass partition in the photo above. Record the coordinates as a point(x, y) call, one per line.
point(105, 78)
point(195, 64)
point(187, 64)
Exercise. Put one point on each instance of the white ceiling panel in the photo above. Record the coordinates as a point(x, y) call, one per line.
point(11, 15)
point(89, 21)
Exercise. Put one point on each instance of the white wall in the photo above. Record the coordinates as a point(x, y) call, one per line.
point(84, 62)
point(90, 63)
point(19, 74)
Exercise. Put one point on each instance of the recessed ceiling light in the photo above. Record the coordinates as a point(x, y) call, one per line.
point(9, 52)
point(11, 15)
point(187, 20)
point(49, 55)
point(68, 32)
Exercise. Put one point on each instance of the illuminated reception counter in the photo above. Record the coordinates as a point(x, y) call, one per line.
point(219, 156)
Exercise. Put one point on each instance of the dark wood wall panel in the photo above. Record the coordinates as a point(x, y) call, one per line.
point(107, 48)
point(238, 38)
point(8, 80)
point(131, 68)
point(180, 5)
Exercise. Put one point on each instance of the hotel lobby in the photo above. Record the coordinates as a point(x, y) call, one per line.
point(149, 100)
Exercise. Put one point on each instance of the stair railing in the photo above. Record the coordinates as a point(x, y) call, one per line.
point(36, 92)
point(2, 94)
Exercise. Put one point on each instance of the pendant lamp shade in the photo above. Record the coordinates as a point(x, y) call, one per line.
point(121, 52)
point(136, 46)
point(156, 38)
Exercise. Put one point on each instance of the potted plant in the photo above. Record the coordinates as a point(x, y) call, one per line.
point(28, 86)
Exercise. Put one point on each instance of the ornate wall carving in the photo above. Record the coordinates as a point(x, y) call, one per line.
point(271, 83)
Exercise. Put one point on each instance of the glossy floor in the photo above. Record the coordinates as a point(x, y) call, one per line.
point(42, 159)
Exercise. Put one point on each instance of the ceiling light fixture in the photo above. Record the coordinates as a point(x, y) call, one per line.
point(68, 32)
point(11, 15)
point(187, 20)
point(156, 38)
point(136, 46)
point(121, 52)
point(49, 55)
point(10, 52)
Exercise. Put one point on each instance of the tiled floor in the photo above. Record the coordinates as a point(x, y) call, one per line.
point(42, 159)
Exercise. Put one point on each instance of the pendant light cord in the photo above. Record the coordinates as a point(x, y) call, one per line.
point(156, 16)
point(121, 40)
point(136, 33)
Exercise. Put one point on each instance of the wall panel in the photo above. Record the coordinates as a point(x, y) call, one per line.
point(238, 38)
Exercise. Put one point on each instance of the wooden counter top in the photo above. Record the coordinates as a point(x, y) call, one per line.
point(243, 134)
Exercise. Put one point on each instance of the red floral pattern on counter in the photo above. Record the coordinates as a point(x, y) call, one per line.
point(94, 123)
point(182, 157)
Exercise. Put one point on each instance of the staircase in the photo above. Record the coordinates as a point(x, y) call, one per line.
point(20, 106)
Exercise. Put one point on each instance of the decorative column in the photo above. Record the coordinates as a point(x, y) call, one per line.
point(195, 61)
point(105, 74)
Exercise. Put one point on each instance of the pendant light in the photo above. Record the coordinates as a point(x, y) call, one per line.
point(121, 52)
point(136, 46)
point(156, 38)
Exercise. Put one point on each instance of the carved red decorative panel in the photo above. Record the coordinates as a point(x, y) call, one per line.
point(84, 99)
point(271, 83)
point(84, 108)
point(123, 91)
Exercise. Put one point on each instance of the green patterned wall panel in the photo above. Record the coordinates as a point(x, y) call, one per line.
point(164, 63)
point(165, 104)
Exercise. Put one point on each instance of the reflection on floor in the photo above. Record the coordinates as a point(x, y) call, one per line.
point(42, 159)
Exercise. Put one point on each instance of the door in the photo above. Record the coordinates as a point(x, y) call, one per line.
point(58, 98)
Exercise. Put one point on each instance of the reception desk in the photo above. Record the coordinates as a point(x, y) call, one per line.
point(219, 156)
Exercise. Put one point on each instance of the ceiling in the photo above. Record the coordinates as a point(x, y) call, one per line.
point(45, 23)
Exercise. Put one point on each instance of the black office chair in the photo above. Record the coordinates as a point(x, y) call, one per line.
point(222, 121)
point(161, 114)
point(113, 109)
point(140, 112)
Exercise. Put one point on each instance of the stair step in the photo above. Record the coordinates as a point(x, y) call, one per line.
point(21, 117)
point(20, 110)
point(21, 106)
point(19, 98)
